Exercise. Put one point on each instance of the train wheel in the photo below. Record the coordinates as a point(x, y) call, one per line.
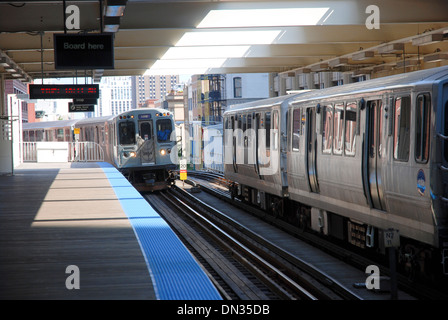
point(277, 208)
point(409, 263)
point(302, 219)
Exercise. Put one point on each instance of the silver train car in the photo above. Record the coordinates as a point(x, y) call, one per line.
point(354, 162)
point(137, 142)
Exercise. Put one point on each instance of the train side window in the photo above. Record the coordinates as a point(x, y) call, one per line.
point(422, 125)
point(445, 132)
point(59, 134)
point(402, 128)
point(327, 133)
point(267, 126)
point(126, 132)
point(338, 129)
point(275, 130)
point(164, 129)
point(350, 128)
point(296, 129)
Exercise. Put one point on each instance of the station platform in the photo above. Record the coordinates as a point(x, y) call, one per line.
point(81, 231)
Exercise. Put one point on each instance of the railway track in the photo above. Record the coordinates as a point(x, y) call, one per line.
point(419, 290)
point(243, 264)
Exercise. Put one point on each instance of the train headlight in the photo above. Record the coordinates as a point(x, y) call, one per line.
point(131, 154)
point(162, 152)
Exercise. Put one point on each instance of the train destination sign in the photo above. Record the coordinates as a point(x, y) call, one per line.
point(83, 51)
point(64, 91)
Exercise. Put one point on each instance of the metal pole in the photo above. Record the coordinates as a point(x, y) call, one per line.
point(101, 16)
point(65, 18)
point(42, 55)
point(393, 274)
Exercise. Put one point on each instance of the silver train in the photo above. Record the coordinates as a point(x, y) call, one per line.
point(137, 142)
point(352, 162)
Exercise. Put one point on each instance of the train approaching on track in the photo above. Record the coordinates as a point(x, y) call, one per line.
point(137, 142)
point(352, 162)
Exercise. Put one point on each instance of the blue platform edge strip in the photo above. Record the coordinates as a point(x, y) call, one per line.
point(174, 272)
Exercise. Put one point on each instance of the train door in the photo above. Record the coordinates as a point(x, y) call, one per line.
point(146, 142)
point(247, 127)
point(233, 123)
point(373, 153)
point(258, 128)
point(311, 148)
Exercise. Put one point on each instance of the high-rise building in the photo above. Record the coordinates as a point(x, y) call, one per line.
point(153, 87)
point(116, 96)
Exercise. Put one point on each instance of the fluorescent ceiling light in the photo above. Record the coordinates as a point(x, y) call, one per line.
point(407, 63)
point(204, 52)
point(262, 17)
point(188, 64)
point(115, 8)
point(363, 55)
point(338, 62)
point(427, 39)
point(382, 67)
point(215, 38)
point(188, 71)
point(436, 57)
point(391, 48)
point(319, 67)
point(4, 62)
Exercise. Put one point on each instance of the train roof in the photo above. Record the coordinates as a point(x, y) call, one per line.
point(69, 123)
point(48, 124)
point(389, 82)
point(263, 102)
point(94, 120)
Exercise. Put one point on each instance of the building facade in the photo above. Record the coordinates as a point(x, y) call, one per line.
point(153, 87)
point(116, 96)
point(208, 96)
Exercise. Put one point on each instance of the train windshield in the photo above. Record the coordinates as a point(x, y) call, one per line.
point(164, 128)
point(127, 132)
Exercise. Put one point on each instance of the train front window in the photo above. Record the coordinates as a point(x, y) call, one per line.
point(127, 132)
point(164, 128)
point(145, 130)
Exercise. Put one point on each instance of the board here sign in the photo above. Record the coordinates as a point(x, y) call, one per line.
point(83, 51)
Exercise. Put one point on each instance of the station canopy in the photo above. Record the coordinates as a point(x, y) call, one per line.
point(212, 37)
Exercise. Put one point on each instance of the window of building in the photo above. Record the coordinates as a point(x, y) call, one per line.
point(402, 127)
point(422, 125)
point(237, 87)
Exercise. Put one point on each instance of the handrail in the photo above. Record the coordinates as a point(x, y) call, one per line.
point(84, 151)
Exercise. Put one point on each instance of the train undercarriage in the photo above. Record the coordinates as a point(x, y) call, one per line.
point(145, 180)
point(415, 260)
